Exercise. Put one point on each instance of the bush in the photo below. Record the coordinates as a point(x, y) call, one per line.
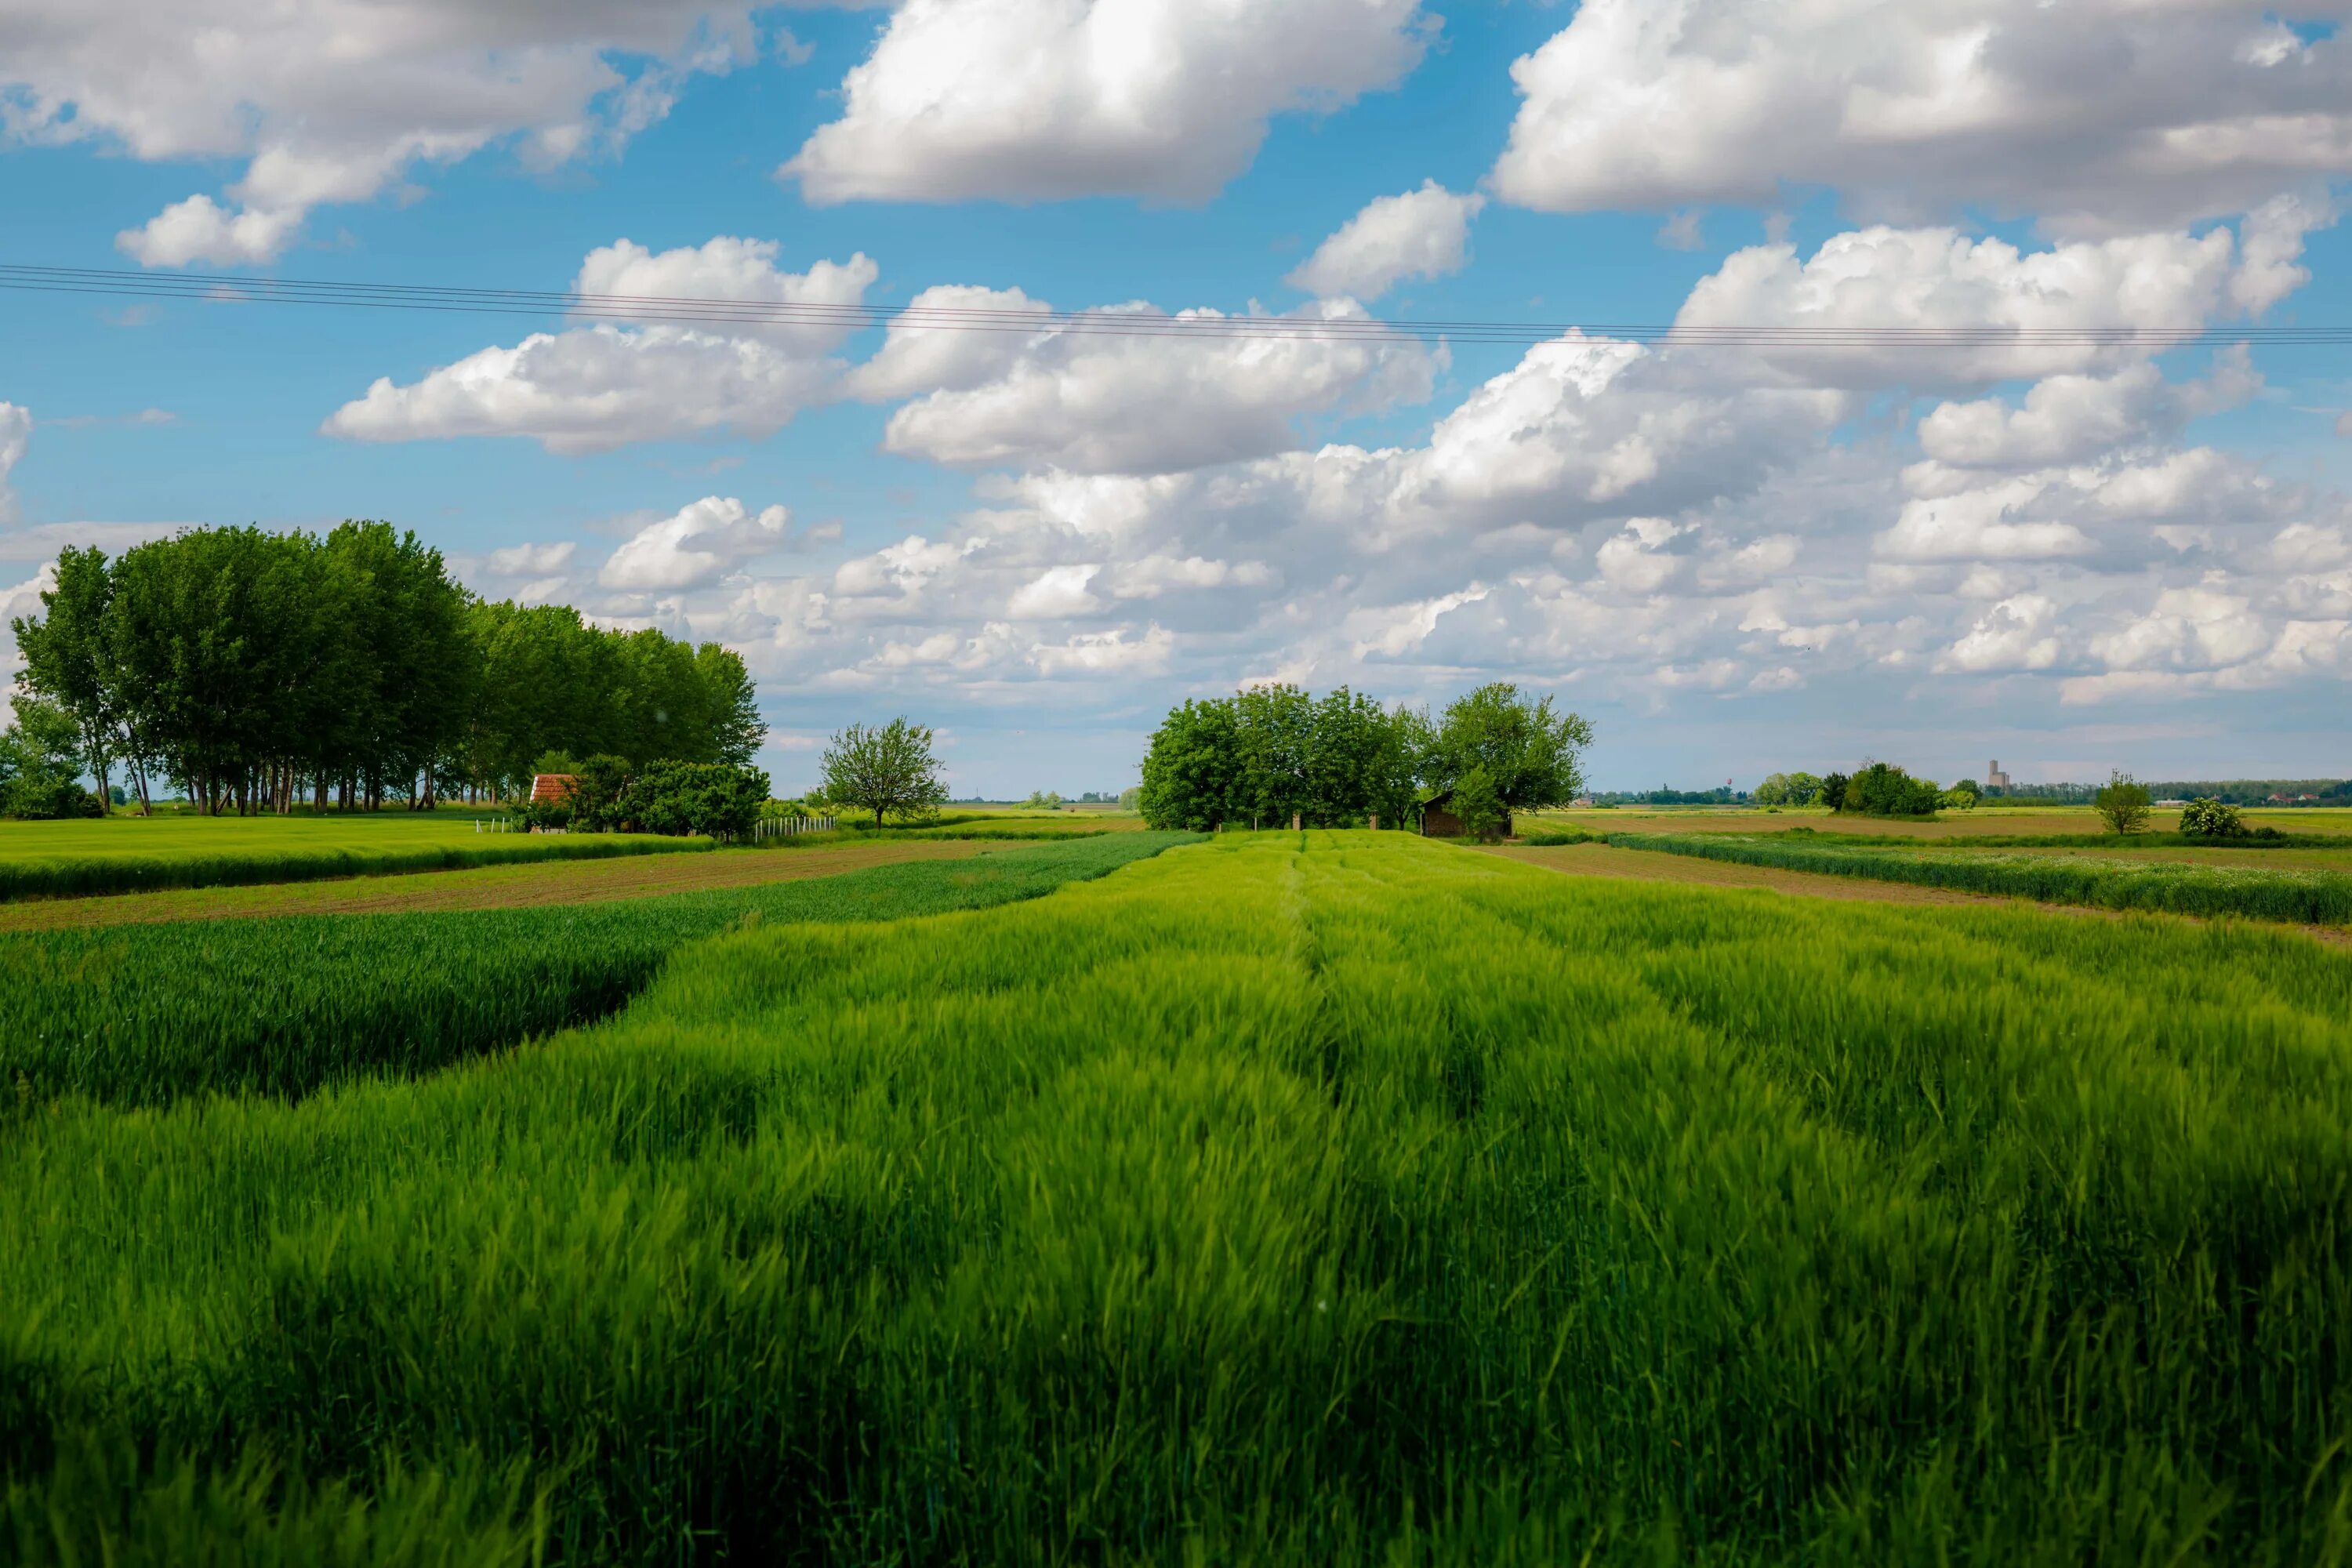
point(2211, 818)
point(1880, 790)
point(2122, 803)
point(711, 798)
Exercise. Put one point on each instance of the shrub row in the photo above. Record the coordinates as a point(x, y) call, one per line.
point(2314, 898)
point(147, 1014)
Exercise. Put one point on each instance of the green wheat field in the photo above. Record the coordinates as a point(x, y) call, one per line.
point(1335, 1197)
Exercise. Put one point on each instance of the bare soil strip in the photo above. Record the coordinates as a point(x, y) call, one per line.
point(486, 888)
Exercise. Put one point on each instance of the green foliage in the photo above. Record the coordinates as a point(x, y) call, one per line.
point(1788, 789)
point(40, 764)
point(711, 798)
point(1962, 797)
point(1043, 800)
point(1131, 798)
point(1529, 752)
point(285, 1006)
point(1882, 790)
point(886, 768)
point(255, 667)
point(1479, 806)
point(1832, 791)
point(2122, 805)
point(2312, 898)
point(192, 864)
point(1263, 755)
point(2211, 818)
point(1372, 1203)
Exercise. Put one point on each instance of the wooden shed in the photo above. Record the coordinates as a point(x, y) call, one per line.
point(1438, 821)
point(547, 787)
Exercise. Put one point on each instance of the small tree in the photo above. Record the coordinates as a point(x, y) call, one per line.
point(1479, 806)
point(2210, 818)
point(2122, 803)
point(1963, 795)
point(714, 798)
point(884, 769)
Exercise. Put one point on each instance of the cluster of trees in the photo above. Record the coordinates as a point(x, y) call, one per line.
point(1666, 795)
point(1265, 755)
point(1880, 789)
point(252, 668)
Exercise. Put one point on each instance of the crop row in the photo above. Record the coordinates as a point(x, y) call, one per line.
point(2310, 898)
point(82, 876)
point(1370, 1202)
point(147, 1014)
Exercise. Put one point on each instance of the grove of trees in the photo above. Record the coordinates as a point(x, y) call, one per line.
point(1264, 755)
point(253, 669)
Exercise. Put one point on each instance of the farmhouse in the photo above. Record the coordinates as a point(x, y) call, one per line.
point(1438, 821)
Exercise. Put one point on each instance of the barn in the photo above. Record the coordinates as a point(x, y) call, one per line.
point(1438, 821)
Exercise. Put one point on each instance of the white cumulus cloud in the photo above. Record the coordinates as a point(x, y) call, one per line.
point(1045, 100)
point(1421, 234)
point(2095, 116)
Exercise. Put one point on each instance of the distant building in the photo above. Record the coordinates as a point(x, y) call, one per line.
point(1994, 778)
point(551, 787)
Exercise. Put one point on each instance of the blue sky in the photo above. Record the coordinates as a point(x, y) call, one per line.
point(1734, 562)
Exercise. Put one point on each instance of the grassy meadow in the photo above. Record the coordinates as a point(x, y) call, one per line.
point(1283, 1198)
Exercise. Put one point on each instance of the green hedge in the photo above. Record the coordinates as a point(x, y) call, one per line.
point(2314, 898)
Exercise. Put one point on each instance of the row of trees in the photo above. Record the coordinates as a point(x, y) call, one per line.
point(251, 669)
point(1264, 755)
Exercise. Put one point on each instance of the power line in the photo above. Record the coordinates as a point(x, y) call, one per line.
point(821, 317)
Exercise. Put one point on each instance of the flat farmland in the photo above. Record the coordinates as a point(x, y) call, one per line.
point(1286, 1198)
point(486, 888)
point(1985, 821)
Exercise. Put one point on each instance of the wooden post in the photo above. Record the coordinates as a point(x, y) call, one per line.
point(1376, 822)
point(1294, 822)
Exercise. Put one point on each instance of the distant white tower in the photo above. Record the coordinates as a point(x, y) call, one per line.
point(1994, 778)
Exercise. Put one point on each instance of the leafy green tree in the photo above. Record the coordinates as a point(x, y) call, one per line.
point(731, 706)
point(2122, 803)
point(1788, 789)
point(1276, 726)
point(886, 768)
point(1883, 790)
point(1192, 772)
point(2210, 818)
point(67, 657)
point(1531, 754)
point(1479, 805)
point(1963, 795)
point(40, 764)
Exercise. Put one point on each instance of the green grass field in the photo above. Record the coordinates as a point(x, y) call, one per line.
point(129, 853)
point(145, 1014)
point(1321, 1198)
point(2101, 881)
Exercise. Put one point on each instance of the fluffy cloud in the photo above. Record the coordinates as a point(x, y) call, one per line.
point(695, 545)
point(1421, 234)
point(590, 389)
point(333, 101)
point(2068, 308)
point(1121, 393)
point(2096, 116)
point(1045, 100)
point(16, 430)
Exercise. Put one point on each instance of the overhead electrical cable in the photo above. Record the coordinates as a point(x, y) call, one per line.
point(817, 316)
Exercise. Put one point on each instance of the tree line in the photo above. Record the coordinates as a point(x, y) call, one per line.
point(253, 669)
point(1265, 755)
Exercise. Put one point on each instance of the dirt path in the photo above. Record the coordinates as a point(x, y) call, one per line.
point(1650, 866)
point(484, 888)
